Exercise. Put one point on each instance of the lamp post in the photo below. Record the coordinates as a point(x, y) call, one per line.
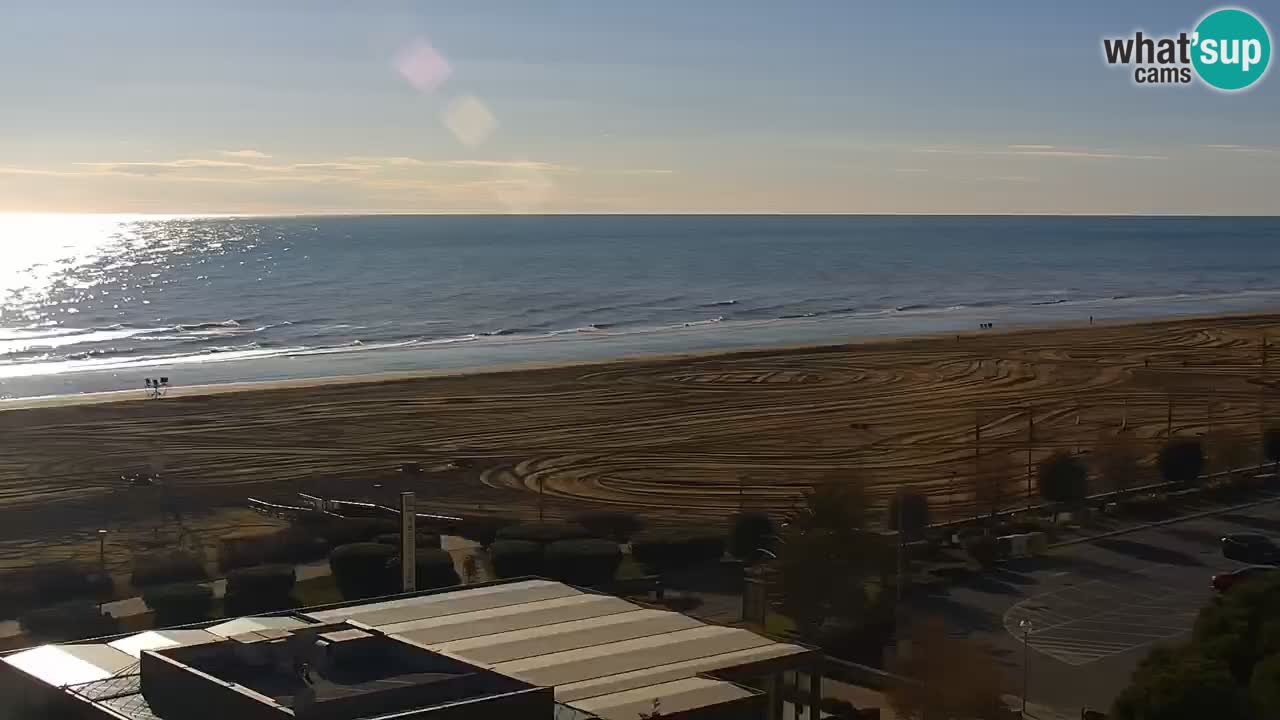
point(102, 558)
point(1025, 626)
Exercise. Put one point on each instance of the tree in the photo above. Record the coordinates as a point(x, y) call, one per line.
point(1264, 687)
point(1064, 479)
point(543, 532)
point(991, 482)
point(1116, 463)
point(589, 562)
point(180, 604)
point(750, 533)
point(516, 558)
point(1181, 684)
point(615, 525)
point(1230, 451)
point(1271, 445)
point(264, 588)
point(364, 570)
point(1181, 461)
point(913, 510)
point(826, 556)
point(947, 678)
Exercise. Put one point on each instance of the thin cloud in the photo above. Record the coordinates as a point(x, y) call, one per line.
point(246, 154)
point(910, 171)
point(394, 160)
point(646, 171)
point(1041, 151)
point(1247, 149)
point(508, 165)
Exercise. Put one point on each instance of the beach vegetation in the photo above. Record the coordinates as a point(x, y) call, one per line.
point(179, 603)
point(292, 545)
point(912, 509)
point(826, 557)
point(68, 621)
point(1116, 463)
point(1271, 445)
point(433, 568)
point(516, 558)
point(616, 525)
point(590, 562)
point(1181, 461)
point(482, 529)
point(260, 589)
point(947, 677)
point(167, 567)
point(1064, 479)
point(344, 531)
point(364, 570)
point(751, 534)
point(543, 532)
point(57, 582)
point(670, 551)
point(991, 482)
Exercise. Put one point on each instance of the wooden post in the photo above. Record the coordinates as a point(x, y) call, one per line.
point(1031, 437)
point(1168, 423)
point(977, 460)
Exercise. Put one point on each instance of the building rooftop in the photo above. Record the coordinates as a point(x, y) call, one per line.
point(601, 656)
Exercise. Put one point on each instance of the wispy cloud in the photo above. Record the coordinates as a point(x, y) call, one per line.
point(1041, 151)
point(646, 171)
point(393, 160)
point(910, 171)
point(1247, 149)
point(245, 154)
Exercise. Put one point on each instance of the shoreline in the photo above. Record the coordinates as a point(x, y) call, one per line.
point(863, 342)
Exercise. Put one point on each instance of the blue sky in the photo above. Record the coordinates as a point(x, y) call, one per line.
point(606, 106)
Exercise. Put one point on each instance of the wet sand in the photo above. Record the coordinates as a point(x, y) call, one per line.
point(672, 438)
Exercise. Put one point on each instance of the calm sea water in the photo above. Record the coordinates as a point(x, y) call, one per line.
point(91, 303)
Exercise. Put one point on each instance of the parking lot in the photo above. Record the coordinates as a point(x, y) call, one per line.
point(1096, 608)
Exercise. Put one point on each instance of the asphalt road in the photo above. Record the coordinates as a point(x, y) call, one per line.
point(1095, 608)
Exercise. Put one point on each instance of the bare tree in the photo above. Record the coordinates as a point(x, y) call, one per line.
point(1229, 451)
point(946, 678)
point(1116, 462)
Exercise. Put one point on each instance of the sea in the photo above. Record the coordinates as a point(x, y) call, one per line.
point(92, 303)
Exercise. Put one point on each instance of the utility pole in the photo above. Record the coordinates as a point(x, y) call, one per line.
point(1168, 423)
point(977, 459)
point(540, 494)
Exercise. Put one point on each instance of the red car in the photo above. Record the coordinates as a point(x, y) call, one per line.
point(1225, 581)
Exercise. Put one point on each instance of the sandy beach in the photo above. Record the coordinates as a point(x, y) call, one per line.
point(673, 438)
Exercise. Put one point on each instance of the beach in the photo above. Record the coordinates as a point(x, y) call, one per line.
point(677, 439)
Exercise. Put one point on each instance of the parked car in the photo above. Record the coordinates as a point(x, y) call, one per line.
point(1223, 582)
point(1250, 548)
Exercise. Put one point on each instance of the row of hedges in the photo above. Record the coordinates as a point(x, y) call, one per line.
point(580, 561)
point(69, 621)
point(370, 569)
point(51, 584)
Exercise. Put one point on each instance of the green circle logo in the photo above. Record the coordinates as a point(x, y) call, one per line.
point(1232, 49)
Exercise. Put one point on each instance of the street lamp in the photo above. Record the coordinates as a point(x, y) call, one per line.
point(1025, 626)
point(102, 550)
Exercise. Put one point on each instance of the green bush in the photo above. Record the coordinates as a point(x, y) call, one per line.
point(1064, 478)
point(914, 514)
point(364, 570)
point(290, 545)
point(516, 558)
point(615, 525)
point(260, 589)
point(70, 621)
point(167, 567)
point(751, 532)
point(667, 551)
point(583, 562)
point(543, 532)
point(1181, 461)
point(434, 568)
point(58, 582)
point(482, 530)
point(984, 549)
point(392, 539)
point(179, 604)
point(336, 530)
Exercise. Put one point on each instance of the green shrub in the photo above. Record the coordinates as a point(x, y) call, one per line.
point(482, 530)
point(984, 549)
point(336, 530)
point(260, 589)
point(291, 545)
point(615, 525)
point(434, 568)
point(167, 567)
point(543, 532)
point(1181, 461)
point(516, 558)
point(751, 532)
point(69, 580)
point(364, 570)
point(392, 539)
point(179, 604)
point(70, 621)
point(1063, 478)
point(666, 551)
point(914, 514)
point(583, 562)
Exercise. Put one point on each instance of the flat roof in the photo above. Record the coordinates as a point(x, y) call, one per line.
point(603, 655)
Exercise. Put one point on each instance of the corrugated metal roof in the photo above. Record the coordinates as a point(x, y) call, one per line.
point(61, 665)
point(674, 697)
point(674, 671)
point(156, 639)
point(428, 606)
point(542, 641)
point(241, 626)
point(583, 664)
point(430, 631)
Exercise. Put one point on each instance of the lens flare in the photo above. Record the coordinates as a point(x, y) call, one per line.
point(423, 67)
point(469, 120)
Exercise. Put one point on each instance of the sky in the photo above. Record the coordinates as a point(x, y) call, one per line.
point(319, 106)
